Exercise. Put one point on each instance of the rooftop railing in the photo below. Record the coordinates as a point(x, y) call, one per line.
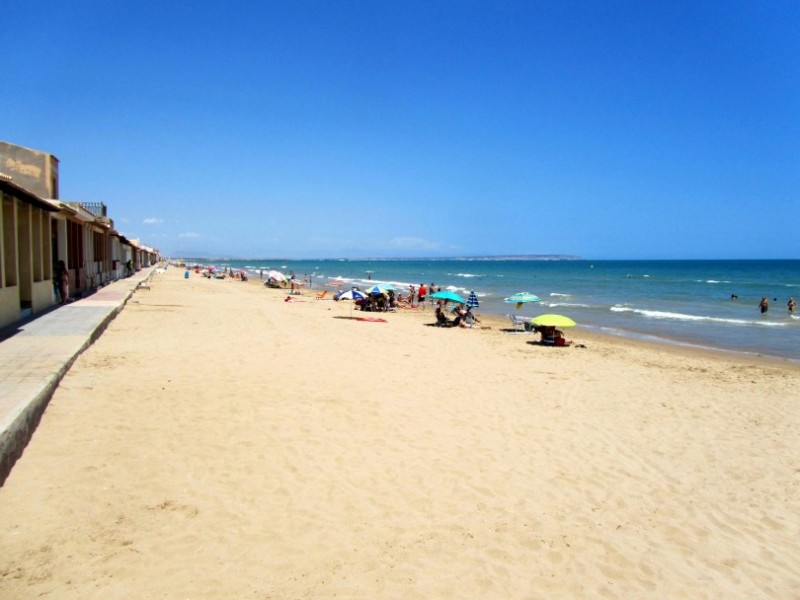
point(98, 209)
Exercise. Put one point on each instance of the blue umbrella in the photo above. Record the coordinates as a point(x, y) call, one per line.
point(472, 300)
point(351, 295)
point(447, 296)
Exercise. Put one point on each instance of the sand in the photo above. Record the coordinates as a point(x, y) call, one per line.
point(218, 442)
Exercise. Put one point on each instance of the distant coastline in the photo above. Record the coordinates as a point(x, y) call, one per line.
point(506, 257)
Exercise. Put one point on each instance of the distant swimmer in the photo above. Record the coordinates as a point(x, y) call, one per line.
point(734, 297)
point(791, 305)
point(764, 304)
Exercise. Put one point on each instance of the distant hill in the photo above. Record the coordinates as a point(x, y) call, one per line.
point(189, 256)
point(520, 257)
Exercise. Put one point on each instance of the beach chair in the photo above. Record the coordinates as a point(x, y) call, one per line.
point(519, 323)
point(321, 295)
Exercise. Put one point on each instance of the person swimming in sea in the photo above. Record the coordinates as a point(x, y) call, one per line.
point(764, 304)
point(791, 305)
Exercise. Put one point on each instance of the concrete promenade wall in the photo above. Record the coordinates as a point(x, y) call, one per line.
point(35, 356)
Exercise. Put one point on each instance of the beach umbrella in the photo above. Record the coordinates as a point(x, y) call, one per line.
point(553, 321)
point(472, 300)
point(448, 296)
point(377, 290)
point(276, 275)
point(351, 295)
point(521, 298)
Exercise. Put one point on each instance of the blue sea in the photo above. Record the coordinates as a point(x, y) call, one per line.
point(677, 302)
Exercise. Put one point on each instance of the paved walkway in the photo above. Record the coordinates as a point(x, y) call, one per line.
point(36, 354)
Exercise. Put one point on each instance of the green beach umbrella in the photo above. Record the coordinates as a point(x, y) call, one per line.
point(553, 321)
point(521, 298)
point(447, 296)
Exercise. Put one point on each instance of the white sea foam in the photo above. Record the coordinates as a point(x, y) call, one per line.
point(467, 275)
point(658, 314)
point(560, 295)
point(568, 304)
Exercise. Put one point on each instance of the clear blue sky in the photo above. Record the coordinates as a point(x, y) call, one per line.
point(302, 129)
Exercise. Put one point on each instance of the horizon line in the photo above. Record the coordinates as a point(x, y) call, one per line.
point(487, 257)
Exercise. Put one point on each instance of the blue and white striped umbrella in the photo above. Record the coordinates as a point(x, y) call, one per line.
point(351, 295)
point(472, 300)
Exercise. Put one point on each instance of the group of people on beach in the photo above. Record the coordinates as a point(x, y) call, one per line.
point(390, 301)
point(463, 316)
point(226, 273)
point(418, 295)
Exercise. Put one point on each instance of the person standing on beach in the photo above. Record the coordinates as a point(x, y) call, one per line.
point(422, 293)
point(791, 305)
point(764, 304)
point(411, 294)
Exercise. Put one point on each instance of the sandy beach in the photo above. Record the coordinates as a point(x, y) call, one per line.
point(218, 442)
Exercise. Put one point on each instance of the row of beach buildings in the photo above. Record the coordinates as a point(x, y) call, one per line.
point(38, 230)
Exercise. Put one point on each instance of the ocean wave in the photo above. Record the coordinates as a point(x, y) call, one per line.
point(569, 304)
point(658, 314)
point(560, 295)
point(715, 281)
point(467, 275)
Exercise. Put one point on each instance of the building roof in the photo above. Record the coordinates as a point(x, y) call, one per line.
point(12, 189)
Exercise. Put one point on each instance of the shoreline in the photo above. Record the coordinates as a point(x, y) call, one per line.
point(645, 340)
point(713, 322)
point(689, 346)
